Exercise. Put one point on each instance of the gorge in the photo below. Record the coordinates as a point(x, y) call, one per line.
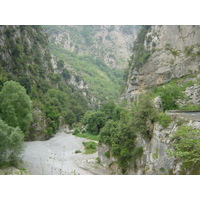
point(113, 85)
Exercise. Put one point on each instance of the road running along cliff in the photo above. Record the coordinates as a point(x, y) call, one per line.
point(190, 115)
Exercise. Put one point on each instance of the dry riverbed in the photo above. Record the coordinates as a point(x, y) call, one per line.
point(57, 156)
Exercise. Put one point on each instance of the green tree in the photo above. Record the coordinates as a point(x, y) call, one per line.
point(108, 108)
point(169, 94)
point(94, 121)
point(15, 106)
point(11, 143)
point(186, 143)
point(142, 114)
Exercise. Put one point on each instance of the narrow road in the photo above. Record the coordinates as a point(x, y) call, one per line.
point(190, 115)
point(56, 156)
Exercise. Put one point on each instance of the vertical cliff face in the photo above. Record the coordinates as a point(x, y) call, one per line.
point(163, 53)
point(154, 160)
point(110, 42)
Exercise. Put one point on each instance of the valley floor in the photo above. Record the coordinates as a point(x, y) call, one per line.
point(57, 156)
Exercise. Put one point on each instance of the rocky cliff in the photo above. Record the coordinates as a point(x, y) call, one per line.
point(155, 159)
point(110, 42)
point(163, 53)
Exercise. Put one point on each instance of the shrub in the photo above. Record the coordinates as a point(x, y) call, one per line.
point(76, 131)
point(137, 152)
point(143, 113)
point(186, 143)
point(95, 121)
point(107, 154)
point(164, 120)
point(98, 161)
point(15, 106)
point(77, 151)
point(11, 143)
point(169, 94)
point(90, 147)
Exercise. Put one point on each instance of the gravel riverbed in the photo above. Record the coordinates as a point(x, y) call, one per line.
point(57, 156)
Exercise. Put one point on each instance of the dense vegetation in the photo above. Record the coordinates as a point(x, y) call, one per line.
point(186, 148)
point(15, 106)
point(15, 120)
point(90, 147)
point(173, 96)
point(11, 144)
point(118, 128)
point(103, 82)
point(33, 95)
point(30, 65)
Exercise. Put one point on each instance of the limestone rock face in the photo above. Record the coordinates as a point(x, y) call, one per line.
point(193, 93)
point(154, 160)
point(108, 162)
point(175, 52)
point(112, 43)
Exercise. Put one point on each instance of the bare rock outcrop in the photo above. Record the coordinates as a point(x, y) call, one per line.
point(175, 53)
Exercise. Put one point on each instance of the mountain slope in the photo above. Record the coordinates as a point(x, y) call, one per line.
point(58, 97)
point(160, 54)
point(111, 43)
point(98, 54)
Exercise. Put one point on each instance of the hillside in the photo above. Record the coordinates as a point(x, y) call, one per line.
point(161, 54)
point(97, 53)
point(69, 85)
point(163, 75)
point(111, 43)
point(58, 96)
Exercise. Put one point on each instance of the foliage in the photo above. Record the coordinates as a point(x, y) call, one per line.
point(107, 154)
point(187, 148)
point(76, 131)
point(137, 153)
point(164, 119)
point(30, 65)
point(119, 135)
point(190, 107)
point(11, 143)
point(15, 106)
point(169, 94)
point(63, 107)
point(94, 121)
point(90, 147)
point(98, 161)
point(143, 113)
point(77, 151)
point(88, 136)
point(120, 126)
point(102, 81)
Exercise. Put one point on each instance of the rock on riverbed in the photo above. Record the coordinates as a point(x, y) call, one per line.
point(57, 156)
